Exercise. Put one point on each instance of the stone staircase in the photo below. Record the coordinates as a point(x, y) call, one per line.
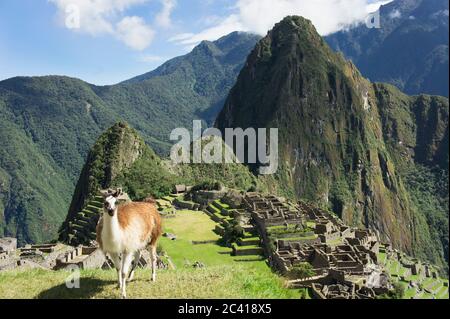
point(250, 245)
point(247, 248)
point(81, 230)
point(218, 213)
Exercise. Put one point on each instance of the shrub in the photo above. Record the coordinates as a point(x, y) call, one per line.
point(301, 271)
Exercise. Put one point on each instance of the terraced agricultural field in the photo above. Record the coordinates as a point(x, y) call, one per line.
point(426, 288)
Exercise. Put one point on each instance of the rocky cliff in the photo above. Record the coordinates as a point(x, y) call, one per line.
point(343, 142)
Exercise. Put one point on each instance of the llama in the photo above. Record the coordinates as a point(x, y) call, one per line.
point(124, 230)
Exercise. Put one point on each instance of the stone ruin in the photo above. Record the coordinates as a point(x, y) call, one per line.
point(59, 256)
point(357, 250)
point(83, 257)
point(322, 257)
point(337, 248)
point(206, 197)
point(346, 290)
point(269, 211)
point(29, 256)
point(7, 245)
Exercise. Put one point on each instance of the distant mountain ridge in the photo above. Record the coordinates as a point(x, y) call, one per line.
point(48, 124)
point(410, 50)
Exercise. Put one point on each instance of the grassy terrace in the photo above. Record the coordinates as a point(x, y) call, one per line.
point(218, 203)
point(227, 281)
point(215, 209)
point(225, 276)
point(396, 270)
point(290, 233)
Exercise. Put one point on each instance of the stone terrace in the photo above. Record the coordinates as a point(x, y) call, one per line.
point(271, 211)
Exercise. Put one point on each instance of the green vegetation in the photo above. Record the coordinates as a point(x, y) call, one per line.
point(429, 192)
point(376, 157)
point(224, 276)
point(225, 282)
point(48, 125)
point(120, 158)
point(397, 293)
point(351, 154)
point(302, 271)
point(283, 231)
point(422, 288)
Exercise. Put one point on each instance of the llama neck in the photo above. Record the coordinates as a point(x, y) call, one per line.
point(111, 226)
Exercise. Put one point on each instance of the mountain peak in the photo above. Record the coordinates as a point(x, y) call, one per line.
point(295, 25)
point(333, 142)
point(232, 47)
point(115, 150)
point(296, 21)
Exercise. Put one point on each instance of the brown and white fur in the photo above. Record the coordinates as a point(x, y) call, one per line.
point(124, 230)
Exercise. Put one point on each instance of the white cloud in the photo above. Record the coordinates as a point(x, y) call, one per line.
point(181, 37)
point(395, 14)
point(226, 26)
point(135, 33)
point(375, 5)
point(99, 17)
point(95, 15)
point(259, 16)
point(163, 19)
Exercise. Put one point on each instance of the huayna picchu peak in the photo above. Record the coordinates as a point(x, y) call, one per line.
point(346, 143)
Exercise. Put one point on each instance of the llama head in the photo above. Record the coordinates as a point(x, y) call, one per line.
point(110, 201)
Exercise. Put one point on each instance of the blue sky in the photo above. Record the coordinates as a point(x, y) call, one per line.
point(108, 41)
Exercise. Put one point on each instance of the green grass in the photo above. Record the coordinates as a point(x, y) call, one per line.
point(246, 247)
point(427, 282)
point(382, 258)
point(442, 293)
point(191, 225)
point(299, 238)
point(214, 209)
point(393, 267)
point(224, 276)
point(168, 199)
point(217, 282)
point(311, 225)
point(410, 293)
point(222, 205)
point(249, 239)
point(335, 242)
point(415, 278)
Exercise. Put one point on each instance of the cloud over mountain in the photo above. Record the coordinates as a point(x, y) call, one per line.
point(258, 16)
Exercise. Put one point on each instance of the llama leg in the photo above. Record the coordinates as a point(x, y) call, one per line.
point(118, 265)
point(154, 257)
point(134, 264)
point(126, 264)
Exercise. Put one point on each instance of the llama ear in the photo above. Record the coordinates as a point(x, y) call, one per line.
point(104, 193)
